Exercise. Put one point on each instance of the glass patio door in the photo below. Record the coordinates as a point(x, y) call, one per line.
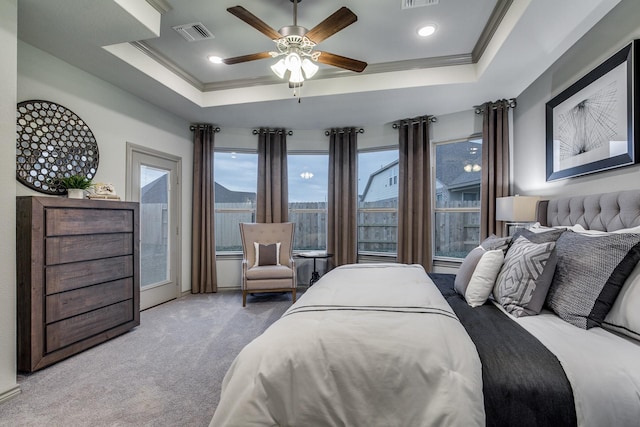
point(154, 186)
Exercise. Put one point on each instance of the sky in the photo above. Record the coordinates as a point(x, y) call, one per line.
point(238, 172)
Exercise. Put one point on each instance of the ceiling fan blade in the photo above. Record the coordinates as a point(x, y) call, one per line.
point(254, 21)
point(246, 58)
point(339, 20)
point(342, 62)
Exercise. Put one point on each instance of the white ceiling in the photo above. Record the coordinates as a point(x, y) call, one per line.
point(483, 50)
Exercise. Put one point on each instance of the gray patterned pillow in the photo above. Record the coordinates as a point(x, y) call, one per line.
point(550, 235)
point(525, 277)
point(589, 275)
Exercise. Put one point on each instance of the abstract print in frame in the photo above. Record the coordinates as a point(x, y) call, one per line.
point(591, 124)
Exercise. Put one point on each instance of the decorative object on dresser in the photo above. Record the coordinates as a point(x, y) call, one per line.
point(78, 276)
point(75, 185)
point(591, 125)
point(52, 142)
point(104, 191)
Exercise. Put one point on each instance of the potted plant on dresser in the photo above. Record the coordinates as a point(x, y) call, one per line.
point(75, 185)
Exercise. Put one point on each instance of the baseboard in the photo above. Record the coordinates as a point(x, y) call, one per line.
point(10, 394)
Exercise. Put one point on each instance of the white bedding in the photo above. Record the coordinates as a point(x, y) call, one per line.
point(376, 359)
point(603, 369)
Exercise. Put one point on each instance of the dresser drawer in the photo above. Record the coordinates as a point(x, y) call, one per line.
point(69, 221)
point(67, 304)
point(65, 277)
point(74, 329)
point(59, 250)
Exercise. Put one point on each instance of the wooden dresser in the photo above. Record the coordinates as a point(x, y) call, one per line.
point(78, 276)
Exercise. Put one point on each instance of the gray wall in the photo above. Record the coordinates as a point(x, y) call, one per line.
point(612, 33)
point(8, 71)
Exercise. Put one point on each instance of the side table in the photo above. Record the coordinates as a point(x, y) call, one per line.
point(315, 276)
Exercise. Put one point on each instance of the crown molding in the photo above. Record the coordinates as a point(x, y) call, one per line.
point(498, 13)
point(162, 6)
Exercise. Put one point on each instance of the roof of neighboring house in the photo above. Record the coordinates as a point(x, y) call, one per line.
point(450, 164)
point(378, 172)
point(155, 191)
point(224, 195)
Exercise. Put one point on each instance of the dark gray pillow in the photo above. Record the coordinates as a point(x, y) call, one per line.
point(466, 270)
point(267, 254)
point(547, 236)
point(589, 275)
point(494, 242)
point(525, 277)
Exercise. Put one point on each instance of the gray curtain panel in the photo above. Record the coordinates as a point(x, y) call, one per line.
point(272, 203)
point(342, 206)
point(203, 247)
point(414, 193)
point(495, 164)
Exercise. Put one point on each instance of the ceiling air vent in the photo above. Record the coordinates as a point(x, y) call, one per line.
point(194, 32)
point(410, 4)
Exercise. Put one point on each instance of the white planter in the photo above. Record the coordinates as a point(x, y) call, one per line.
point(75, 193)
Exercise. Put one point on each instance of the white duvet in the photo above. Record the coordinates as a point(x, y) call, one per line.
point(350, 353)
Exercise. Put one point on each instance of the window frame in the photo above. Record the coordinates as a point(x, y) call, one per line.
point(216, 210)
point(435, 209)
point(308, 210)
point(371, 254)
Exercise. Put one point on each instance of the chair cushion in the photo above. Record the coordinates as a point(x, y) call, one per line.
point(267, 254)
point(269, 272)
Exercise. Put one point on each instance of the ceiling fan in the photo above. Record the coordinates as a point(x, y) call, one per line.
point(296, 44)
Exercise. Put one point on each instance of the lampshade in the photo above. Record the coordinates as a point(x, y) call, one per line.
point(296, 76)
point(279, 68)
point(516, 208)
point(310, 69)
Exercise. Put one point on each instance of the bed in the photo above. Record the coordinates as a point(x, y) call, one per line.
point(390, 345)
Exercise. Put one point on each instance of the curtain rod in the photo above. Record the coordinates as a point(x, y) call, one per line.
point(278, 131)
point(203, 126)
point(511, 104)
point(328, 132)
point(431, 119)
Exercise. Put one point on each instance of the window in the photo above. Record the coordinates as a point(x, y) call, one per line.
point(308, 181)
point(236, 180)
point(378, 204)
point(457, 197)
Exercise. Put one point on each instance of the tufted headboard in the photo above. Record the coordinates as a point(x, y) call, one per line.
point(603, 212)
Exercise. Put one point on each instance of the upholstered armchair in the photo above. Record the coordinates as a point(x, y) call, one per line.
point(267, 264)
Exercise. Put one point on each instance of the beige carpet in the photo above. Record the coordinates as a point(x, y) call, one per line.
point(166, 372)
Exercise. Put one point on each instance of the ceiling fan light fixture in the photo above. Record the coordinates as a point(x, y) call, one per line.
point(310, 69)
point(426, 30)
point(215, 59)
point(296, 76)
point(279, 68)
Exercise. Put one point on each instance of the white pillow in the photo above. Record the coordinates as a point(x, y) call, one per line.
point(539, 229)
point(580, 229)
point(624, 316)
point(484, 277)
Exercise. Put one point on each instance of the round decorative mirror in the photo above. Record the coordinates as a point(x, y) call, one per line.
point(52, 142)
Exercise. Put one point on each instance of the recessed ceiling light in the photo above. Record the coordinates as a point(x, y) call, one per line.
point(215, 59)
point(427, 30)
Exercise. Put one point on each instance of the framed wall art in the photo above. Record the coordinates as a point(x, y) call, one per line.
point(591, 126)
point(52, 142)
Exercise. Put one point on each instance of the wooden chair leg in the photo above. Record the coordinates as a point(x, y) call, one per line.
point(293, 294)
point(244, 298)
